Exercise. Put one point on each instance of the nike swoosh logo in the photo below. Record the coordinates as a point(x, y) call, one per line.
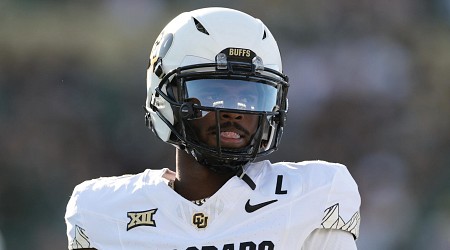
point(252, 208)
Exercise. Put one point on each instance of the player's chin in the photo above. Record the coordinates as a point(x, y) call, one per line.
point(233, 145)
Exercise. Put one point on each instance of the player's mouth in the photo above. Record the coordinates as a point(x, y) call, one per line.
point(232, 135)
point(231, 139)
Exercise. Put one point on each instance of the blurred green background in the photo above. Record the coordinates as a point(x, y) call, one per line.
point(370, 89)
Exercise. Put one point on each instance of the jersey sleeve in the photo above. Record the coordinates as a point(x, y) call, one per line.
point(329, 239)
point(343, 203)
point(76, 233)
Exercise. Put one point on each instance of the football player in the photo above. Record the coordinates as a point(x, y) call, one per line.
point(216, 91)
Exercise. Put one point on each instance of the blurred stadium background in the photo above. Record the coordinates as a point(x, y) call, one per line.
point(370, 89)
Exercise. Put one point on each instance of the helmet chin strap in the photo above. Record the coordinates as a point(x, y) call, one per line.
point(216, 164)
point(224, 168)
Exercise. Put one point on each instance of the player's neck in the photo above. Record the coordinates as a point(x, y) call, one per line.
point(194, 181)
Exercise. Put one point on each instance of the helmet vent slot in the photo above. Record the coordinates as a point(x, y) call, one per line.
point(264, 35)
point(200, 27)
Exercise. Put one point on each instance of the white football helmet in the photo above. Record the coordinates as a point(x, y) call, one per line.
point(211, 47)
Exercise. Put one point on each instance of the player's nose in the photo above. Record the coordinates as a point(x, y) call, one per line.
point(231, 116)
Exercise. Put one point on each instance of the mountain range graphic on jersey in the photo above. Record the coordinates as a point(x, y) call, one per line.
point(333, 220)
point(80, 241)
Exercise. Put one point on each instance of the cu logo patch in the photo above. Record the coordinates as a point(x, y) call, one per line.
point(200, 220)
point(144, 218)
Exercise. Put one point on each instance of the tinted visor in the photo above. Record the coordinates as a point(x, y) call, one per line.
point(232, 94)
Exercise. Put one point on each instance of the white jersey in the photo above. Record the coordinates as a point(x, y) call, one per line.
point(288, 202)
